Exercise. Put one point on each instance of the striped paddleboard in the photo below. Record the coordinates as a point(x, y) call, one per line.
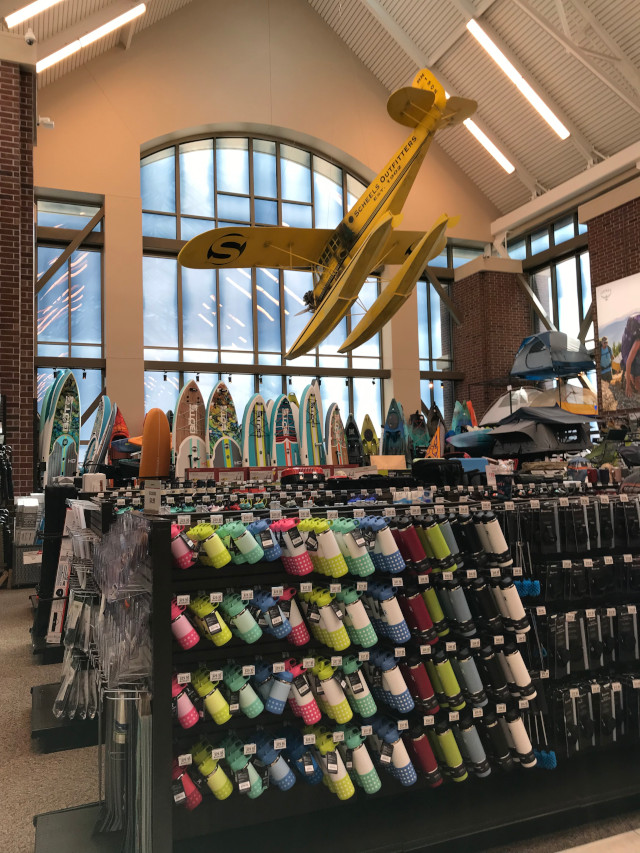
point(283, 435)
point(223, 430)
point(312, 450)
point(255, 433)
point(336, 442)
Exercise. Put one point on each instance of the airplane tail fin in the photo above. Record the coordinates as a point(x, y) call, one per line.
point(410, 105)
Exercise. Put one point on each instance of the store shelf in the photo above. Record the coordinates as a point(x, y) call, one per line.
point(74, 830)
point(456, 818)
point(53, 734)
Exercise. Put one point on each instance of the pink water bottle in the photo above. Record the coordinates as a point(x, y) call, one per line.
point(299, 635)
point(182, 549)
point(185, 791)
point(302, 701)
point(182, 629)
point(187, 714)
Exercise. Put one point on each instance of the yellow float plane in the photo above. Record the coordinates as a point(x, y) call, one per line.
point(342, 259)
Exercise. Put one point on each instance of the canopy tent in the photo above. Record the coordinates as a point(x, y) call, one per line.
point(572, 398)
point(508, 403)
point(549, 355)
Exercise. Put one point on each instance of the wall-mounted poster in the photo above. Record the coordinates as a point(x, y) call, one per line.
point(618, 356)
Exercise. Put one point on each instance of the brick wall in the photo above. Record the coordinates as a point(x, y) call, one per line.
point(496, 316)
point(614, 251)
point(16, 266)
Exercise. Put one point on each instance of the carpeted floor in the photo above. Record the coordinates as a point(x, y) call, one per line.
point(31, 783)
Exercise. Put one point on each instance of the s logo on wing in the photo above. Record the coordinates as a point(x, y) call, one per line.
point(226, 249)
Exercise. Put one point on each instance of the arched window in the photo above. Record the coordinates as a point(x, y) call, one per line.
point(239, 322)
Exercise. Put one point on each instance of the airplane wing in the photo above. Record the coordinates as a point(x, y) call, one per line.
point(277, 247)
point(252, 246)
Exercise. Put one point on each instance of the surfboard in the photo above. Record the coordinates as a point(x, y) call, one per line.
point(312, 450)
point(355, 450)
point(255, 433)
point(283, 435)
point(189, 420)
point(44, 411)
point(192, 453)
point(269, 408)
point(223, 431)
point(155, 460)
point(64, 422)
point(336, 443)
point(370, 444)
point(394, 437)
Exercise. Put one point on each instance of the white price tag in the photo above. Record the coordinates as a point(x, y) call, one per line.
point(584, 500)
point(335, 588)
point(624, 499)
point(428, 720)
point(454, 716)
point(631, 608)
point(306, 587)
point(541, 610)
point(544, 673)
point(365, 731)
point(574, 692)
point(308, 663)
point(363, 656)
point(246, 517)
point(337, 737)
point(185, 759)
point(403, 725)
point(564, 501)
point(616, 687)
point(396, 581)
point(362, 586)
point(216, 520)
point(472, 573)
point(216, 597)
point(447, 576)
point(495, 572)
point(276, 591)
point(595, 688)
point(635, 683)
point(278, 667)
point(358, 513)
point(217, 754)
point(336, 660)
point(627, 558)
point(535, 504)
point(280, 743)
point(423, 579)
point(588, 563)
point(516, 571)
point(604, 500)
point(425, 649)
point(416, 510)
point(275, 514)
point(184, 520)
point(523, 703)
point(566, 564)
point(475, 643)
point(332, 514)
point(498, 640)
point(390, 512)
point(246, 594)
point(501, 708)
point(249, 749)
point(590, 613)
point(463, 509)
point(304, 513)
point(485, 505)
point(184, 677)
point(308, 740)
point(571, 616)
point(611, 611)
point(509, 505)
point(400, 651)
point(249, 670)
point(521, 638)
point(477, 712)
point(183, 600)
point(608, 561)
point(216, 675)
point(450, 646)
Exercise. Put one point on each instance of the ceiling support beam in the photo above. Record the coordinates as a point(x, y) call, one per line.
point(413, 51)
point(580, 54)
point(577, 138)
point(586, 323)
point(84, 26)
point(444, 296)
point(536, 304)
point(126, 35)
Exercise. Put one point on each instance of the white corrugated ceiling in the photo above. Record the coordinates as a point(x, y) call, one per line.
point(404, 34)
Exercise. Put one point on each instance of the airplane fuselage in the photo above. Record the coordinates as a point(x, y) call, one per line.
point(387, 192)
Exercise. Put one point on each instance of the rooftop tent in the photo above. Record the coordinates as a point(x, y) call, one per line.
point(545, 415)
point(549, 355)
point(573, 398)
point(508, 403)
point(536, 431)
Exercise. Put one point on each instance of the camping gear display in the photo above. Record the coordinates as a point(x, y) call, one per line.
point(539, 431)
point(551, 354)
point(572, 398)
point(507, 404)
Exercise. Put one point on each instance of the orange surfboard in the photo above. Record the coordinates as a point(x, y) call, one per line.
point(155, 460)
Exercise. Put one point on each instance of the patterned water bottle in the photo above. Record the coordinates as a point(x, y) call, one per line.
point(302, 701)
point(287, 603)
point(240, 618)
point(250, 703)
point(263, 534)
point(185, 709)
point(183, 551)
point(276, 623)
point(214, 701)
point(356, 619)
point(393, 683)
point(357, 690)
point(184, 632)
point(336, 704)
point(358, 761)
point(295, 557)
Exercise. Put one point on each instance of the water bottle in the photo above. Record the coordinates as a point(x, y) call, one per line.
point(356, 620)
point(184, 632)
point(419, 748)
point(419, 684)
point(295, 557)
point(183, 551)
point(240, 618)
point(214, 701)
point(209, 622)
point(336, 775)
point(302, 700)
point(335, 702)
point(250, 703)
point(276, 623)
point(299, 634)
point(264, 536)
point(357, 690)
point(186, 712)
point(245, 542)
point(358, 761)
point(184, 792)
point(279, 692)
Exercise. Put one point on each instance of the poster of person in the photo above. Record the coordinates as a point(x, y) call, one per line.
point(618, 347)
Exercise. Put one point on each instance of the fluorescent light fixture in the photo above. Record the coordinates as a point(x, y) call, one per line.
point(89, 38)
point(488, 145)
point(112, 25)
point(500, 59)
point(29, 11)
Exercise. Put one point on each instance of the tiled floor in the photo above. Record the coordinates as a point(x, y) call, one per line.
point(626, 842)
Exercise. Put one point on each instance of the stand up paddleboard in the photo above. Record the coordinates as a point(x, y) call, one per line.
point(370, 444)
point(255, 433)
point(189, 430)
point(155, 460)
point(268, 408)
point(46, 415)
point(355, 450)
point(223, 430)
point(312, 450)
point(283, 434)
point(100, 434)
point(62, 436)
point(394, 437)
point(336, 442)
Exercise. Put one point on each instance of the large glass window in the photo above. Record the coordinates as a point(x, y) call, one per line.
point(198, 319)
point(564, 289)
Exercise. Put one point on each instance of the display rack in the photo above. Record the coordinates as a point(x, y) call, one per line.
point(481, 812)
